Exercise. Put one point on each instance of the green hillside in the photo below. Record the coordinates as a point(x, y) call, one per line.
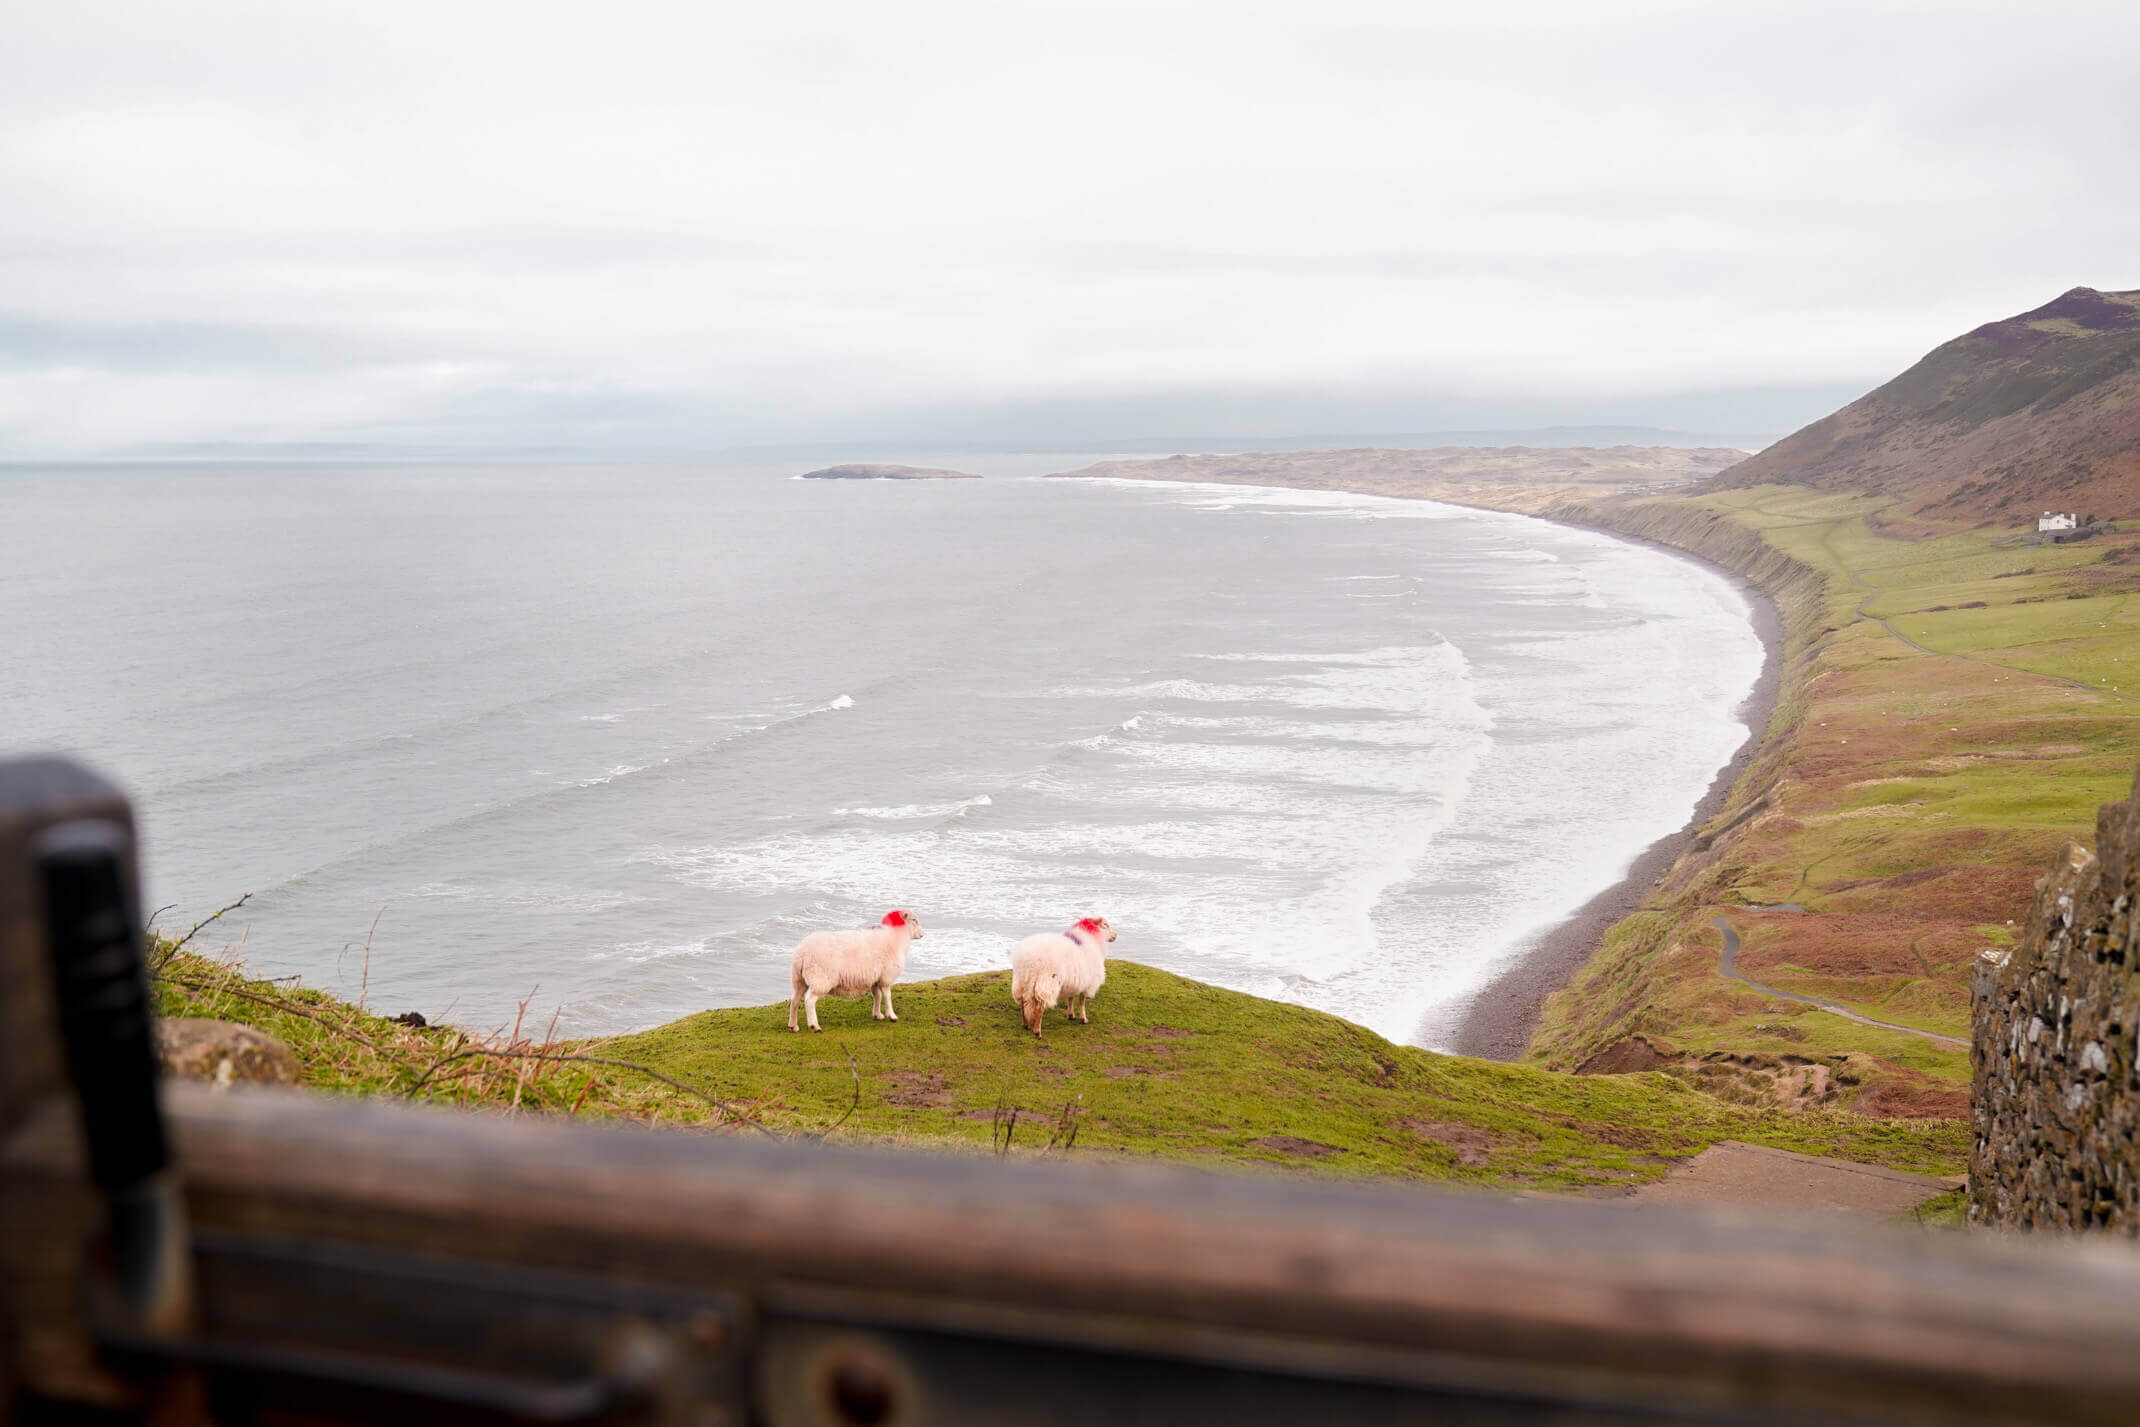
point(1168, 1068)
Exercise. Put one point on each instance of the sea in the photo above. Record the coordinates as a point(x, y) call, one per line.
point(601, 743)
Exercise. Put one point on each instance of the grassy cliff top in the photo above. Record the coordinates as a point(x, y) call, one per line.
point(1168, 1068)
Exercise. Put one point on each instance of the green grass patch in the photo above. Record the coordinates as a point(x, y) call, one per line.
point(1943, 1211)
point(1169, 1068)
point(1174, 1067)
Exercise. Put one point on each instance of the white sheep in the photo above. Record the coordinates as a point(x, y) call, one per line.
point(1071, 963)
point(848, 963)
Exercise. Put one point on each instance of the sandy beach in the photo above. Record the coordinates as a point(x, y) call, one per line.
point(1499, 1024)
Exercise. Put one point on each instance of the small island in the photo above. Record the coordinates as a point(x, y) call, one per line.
point(865, 471)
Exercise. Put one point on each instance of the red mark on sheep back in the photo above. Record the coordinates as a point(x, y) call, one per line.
point(896, 919)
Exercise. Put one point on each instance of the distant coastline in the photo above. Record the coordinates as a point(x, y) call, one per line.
point(1523, 479)
point(869, 471)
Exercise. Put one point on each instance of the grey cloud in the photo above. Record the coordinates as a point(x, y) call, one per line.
point(43, 343)
point(680, 226)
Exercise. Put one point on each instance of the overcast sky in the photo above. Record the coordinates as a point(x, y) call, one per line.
point(641, 226)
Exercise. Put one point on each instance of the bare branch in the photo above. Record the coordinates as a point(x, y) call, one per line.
point(855, 1071)
point(364, 986)
point(175, 946)
point(1064, 1134)
point(1006, 1121)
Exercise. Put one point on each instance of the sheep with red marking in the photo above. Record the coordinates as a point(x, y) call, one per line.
point(1052, 965)
point(850, 964)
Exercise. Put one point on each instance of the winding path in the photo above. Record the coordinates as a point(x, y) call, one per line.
point(1727, 965)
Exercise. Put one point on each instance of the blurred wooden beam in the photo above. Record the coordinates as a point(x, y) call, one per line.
point(1459, 1297)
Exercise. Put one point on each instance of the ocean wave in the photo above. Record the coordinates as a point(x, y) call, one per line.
point(1388, 732)
point(535, 896)
point(622, 770)
point(618, 715)
point(1185, 690)
point(1226, 497)
point(1340, 658)
point(1352, 768)
point(911, 811)
point(480, 721)
point(1400, 680)
point(640, 952)
point(1224, 846)
point(510, 806)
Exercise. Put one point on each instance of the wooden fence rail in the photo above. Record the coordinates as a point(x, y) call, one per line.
point(809, 1284)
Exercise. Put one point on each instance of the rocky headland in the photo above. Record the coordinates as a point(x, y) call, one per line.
point(869, 471)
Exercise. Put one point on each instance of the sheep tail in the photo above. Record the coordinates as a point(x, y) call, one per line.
point(1038, 995)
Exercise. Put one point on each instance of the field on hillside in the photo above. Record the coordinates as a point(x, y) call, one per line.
point(1168, 1068)
point(1952, 715)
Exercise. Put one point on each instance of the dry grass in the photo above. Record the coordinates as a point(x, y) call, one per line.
point(512, 1070)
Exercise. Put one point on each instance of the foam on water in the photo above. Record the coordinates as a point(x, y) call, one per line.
point(916, 810)
point(1223, 837)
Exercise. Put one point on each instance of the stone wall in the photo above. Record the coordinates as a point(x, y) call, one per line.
point(2056, 1102)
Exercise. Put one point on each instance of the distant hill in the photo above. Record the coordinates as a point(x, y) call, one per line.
point(862, 471)
point(2036, 412)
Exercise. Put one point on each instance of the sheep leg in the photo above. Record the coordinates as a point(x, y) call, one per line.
point(876, 1003)
point(810, 1008)
point(794, 1005)
point(886, 992)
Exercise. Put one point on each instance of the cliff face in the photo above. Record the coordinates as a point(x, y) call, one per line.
point(2034, 412)
point(2056, 1100)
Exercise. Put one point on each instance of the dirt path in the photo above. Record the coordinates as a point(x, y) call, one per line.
point(1727, 965)
point(1755, 1176)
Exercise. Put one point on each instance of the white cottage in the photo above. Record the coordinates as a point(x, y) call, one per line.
point(2054, 520)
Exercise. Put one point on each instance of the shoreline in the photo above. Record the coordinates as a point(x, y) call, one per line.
point(1501, 1019)
point(1503, 1016)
